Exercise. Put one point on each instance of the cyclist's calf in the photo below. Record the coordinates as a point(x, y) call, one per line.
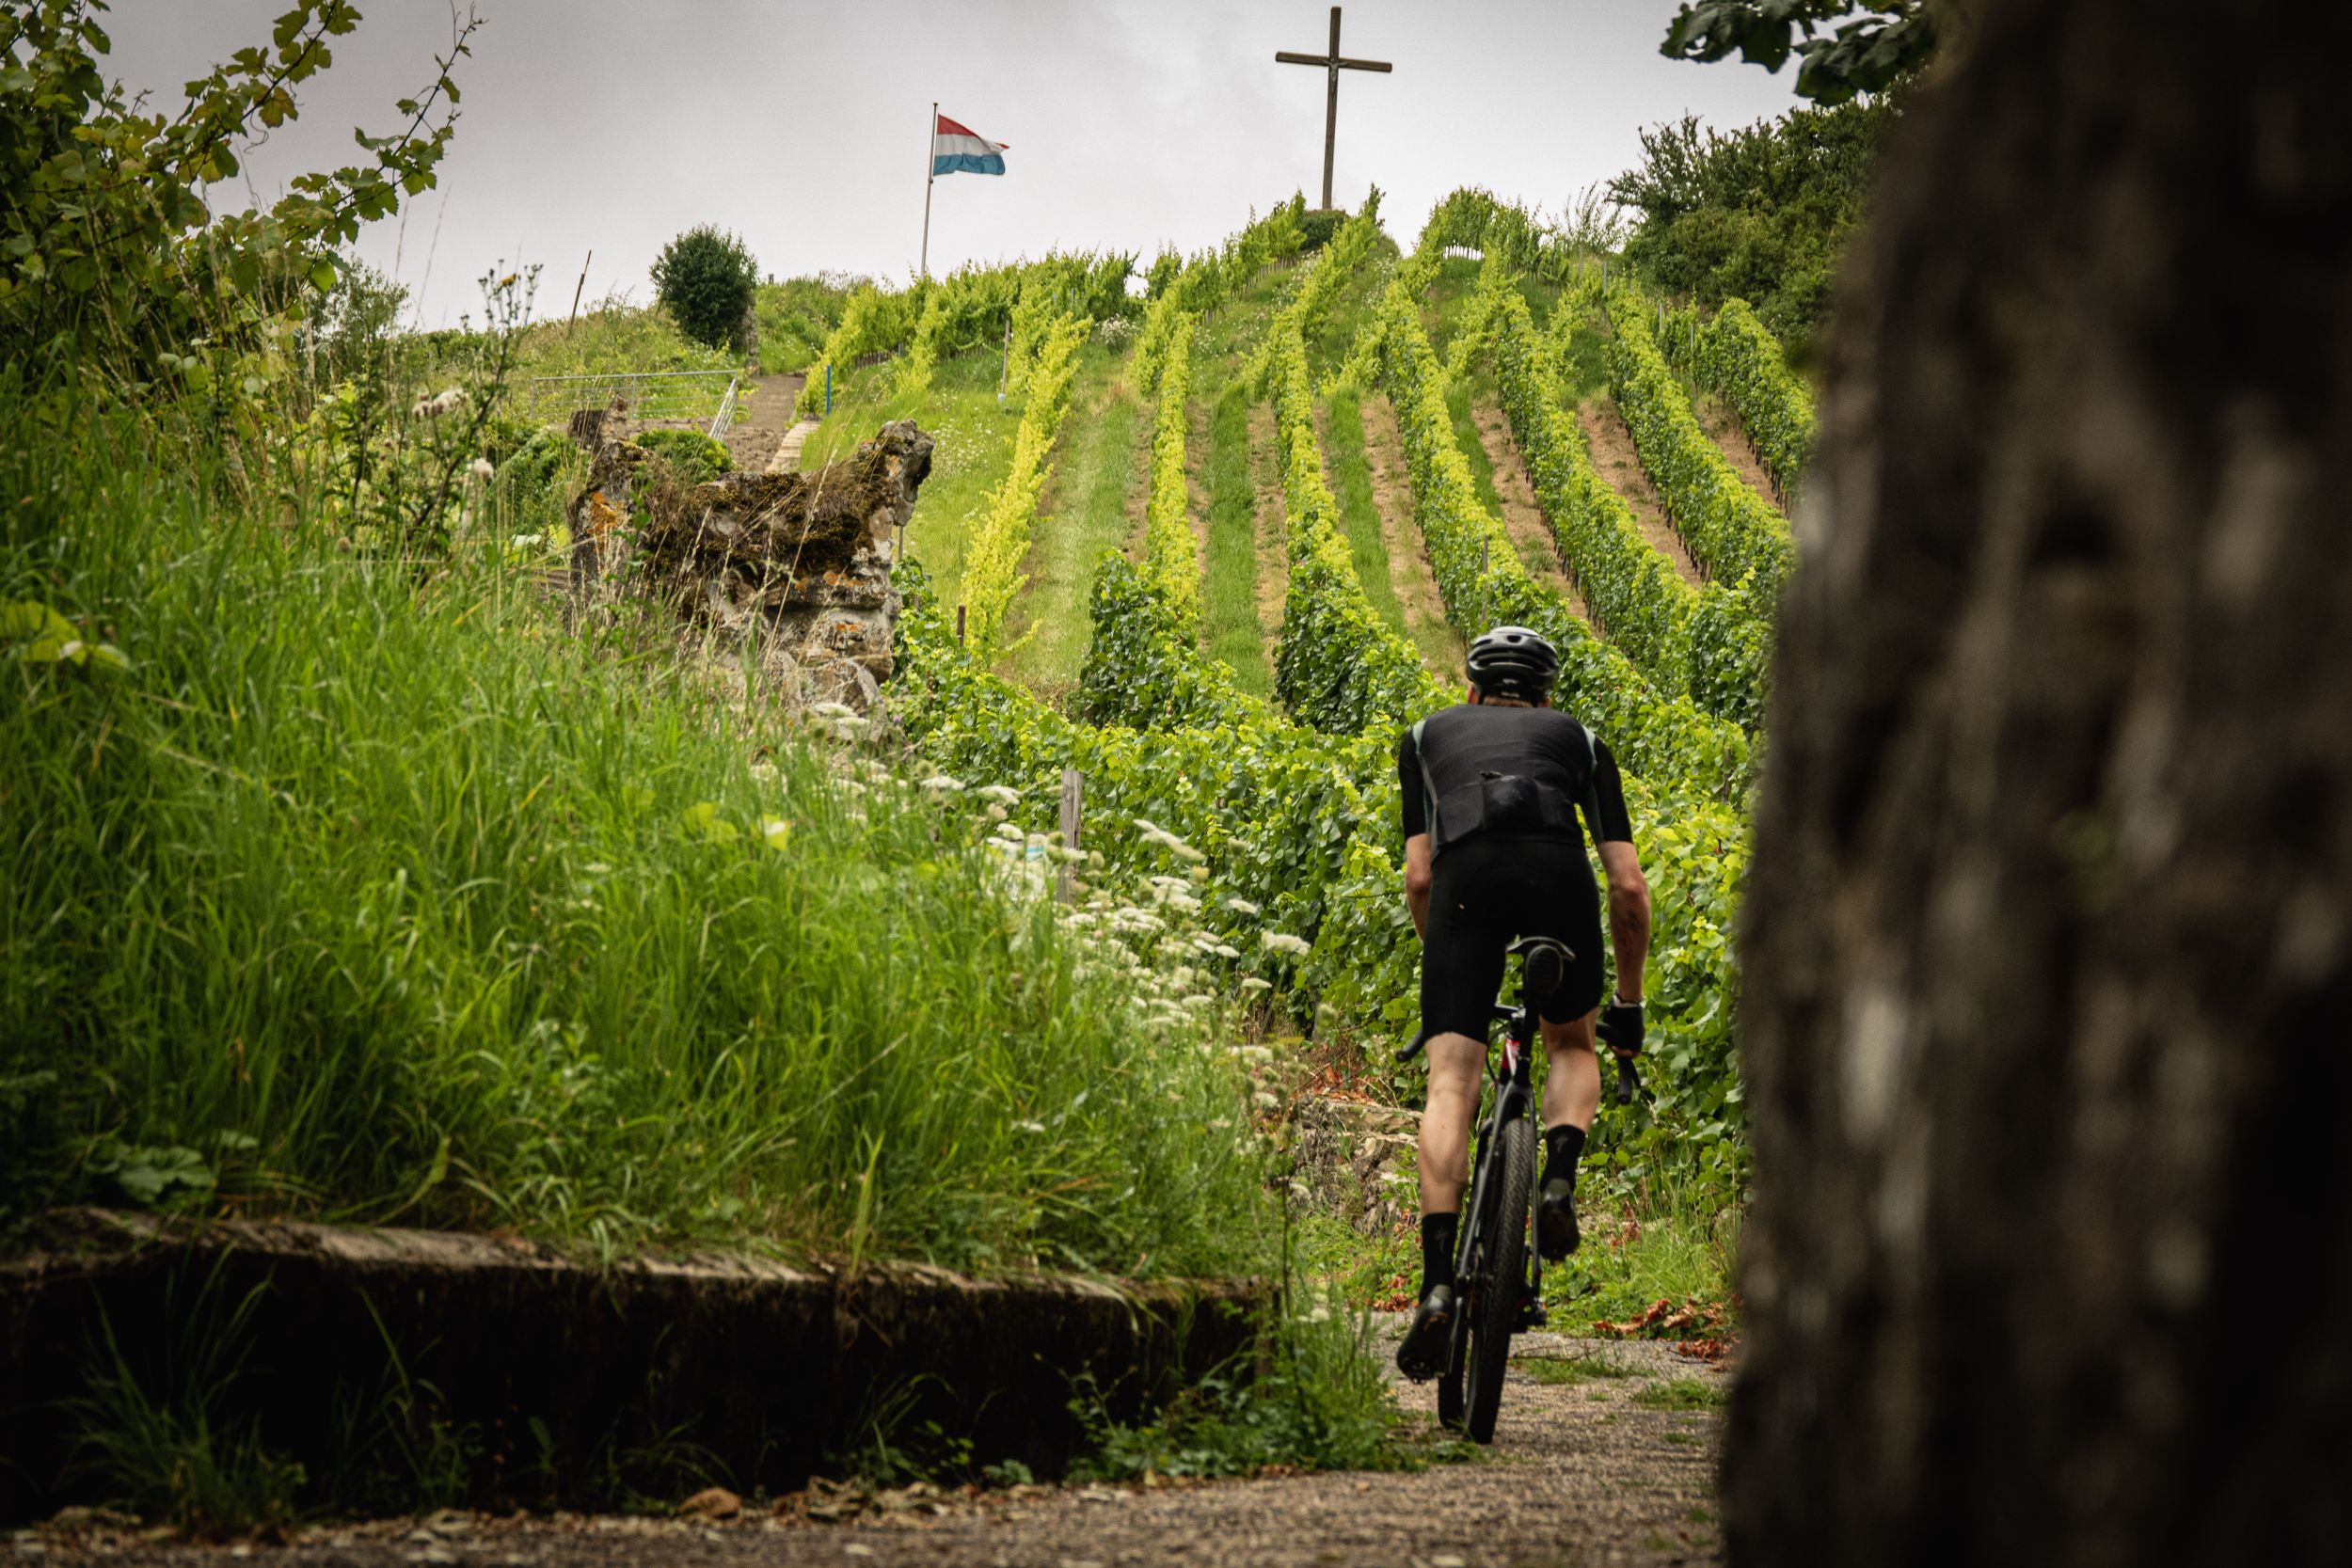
point(1458, 1066)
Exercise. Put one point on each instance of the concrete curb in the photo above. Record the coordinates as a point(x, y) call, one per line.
point(544, 1381)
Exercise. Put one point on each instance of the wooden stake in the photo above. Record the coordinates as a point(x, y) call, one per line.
point(576, 290)
point(1072, 808)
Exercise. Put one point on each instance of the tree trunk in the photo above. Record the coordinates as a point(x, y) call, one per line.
point(2048, 981)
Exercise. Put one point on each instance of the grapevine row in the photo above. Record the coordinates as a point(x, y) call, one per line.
point(1704, 641)
point(1739, 357)
point(1483, 582)
point(993, 573)
point(1732, 531)
point(1339, 667)
point(1171, 558)
point(1301, 827)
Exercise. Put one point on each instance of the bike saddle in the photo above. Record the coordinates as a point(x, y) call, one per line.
point(1546, 965)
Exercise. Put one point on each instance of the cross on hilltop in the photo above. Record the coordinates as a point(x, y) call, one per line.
point(1334, 64)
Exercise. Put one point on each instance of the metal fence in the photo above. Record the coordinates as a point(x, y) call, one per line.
point(696, 397)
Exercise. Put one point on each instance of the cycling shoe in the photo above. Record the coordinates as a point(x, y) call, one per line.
point(1422, 1356)
point(1555, 1220)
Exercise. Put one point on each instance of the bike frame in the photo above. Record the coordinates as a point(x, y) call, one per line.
point(1513, 1097)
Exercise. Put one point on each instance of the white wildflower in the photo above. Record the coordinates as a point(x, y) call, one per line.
point(1029, 1126)
point(1242, 907)
point(480, 469)
point(1254, 984)
point(940, 784)
point(1008, 833)
point(1003, 794)
point(997, 813)
point(1264, 1101)
point(1282, 942)
point(1224, 950)
point(832, 710)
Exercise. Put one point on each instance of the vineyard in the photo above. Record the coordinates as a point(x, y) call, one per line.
point(1286, 468)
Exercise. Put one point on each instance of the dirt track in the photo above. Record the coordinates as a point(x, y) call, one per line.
point(1585, 1472)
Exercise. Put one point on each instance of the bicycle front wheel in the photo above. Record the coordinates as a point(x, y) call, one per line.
point(1497, 1313)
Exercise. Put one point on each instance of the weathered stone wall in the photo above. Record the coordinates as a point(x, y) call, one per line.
point(793, 569)
point(760, 1365)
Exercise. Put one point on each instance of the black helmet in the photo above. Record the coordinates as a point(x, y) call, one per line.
point(1513, 661)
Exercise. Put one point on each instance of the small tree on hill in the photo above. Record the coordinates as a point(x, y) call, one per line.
point(705, 280)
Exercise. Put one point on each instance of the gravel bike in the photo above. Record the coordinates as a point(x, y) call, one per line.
point(1498, 1276)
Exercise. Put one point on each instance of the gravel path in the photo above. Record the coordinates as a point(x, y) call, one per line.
point(1596, 1470)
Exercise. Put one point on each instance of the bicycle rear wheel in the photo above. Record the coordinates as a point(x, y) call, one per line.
point(1497, 1313)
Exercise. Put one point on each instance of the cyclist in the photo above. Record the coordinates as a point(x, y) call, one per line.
point(1492, 788)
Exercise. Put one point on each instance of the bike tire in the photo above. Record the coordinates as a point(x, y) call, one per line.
point(1498, 1310)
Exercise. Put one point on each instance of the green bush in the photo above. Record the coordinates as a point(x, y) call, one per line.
point(706, 280)
point(795, 317)
point(1760, 214)
point(693, 457)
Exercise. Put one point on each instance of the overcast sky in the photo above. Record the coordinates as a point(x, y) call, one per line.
point(612, 124)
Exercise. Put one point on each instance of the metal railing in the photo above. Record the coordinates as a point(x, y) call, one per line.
point(650, 395)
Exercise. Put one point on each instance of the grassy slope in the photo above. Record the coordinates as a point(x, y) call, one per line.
point(1083, 513)
point(1229, 597)
point(1359, 514)
point(387, 900)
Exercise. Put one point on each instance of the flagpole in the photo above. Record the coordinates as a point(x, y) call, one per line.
point(930, 161)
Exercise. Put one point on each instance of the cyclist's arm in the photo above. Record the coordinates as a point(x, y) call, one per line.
point(1418, 874)
point(1414, 821)
point(1611, 827)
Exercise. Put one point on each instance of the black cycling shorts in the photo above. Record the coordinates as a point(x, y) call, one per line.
point(1487, 891)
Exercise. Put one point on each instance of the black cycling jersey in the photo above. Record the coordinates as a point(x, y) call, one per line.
point(1508, 772)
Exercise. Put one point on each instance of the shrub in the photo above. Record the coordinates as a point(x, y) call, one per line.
point(706, 280)
point(692, 456)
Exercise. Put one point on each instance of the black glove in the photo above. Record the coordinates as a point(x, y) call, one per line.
point(1621, 1027)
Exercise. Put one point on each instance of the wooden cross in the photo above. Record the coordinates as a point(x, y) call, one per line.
point(1334, 64)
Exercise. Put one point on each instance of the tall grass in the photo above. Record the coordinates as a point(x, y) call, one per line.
point(1229, 603)
point(370, 891)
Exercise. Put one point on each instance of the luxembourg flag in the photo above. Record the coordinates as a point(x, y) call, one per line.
point(957, 149)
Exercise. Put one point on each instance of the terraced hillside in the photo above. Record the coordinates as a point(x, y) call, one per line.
point(1214, 547)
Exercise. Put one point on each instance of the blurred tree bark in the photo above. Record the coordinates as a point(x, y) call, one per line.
point(2048, 1013)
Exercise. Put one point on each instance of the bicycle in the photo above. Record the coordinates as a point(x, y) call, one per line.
point(1497, 1277)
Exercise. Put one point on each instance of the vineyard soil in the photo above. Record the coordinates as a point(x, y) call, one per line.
point(1415, 586)
point(1723, 428)
point(1537, 548)
point(1617, 462)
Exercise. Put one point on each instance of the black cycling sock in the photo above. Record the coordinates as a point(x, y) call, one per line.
point(1436, 1249)
point(1563, 1144)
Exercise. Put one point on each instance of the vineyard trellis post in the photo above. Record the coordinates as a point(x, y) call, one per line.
point(1072, 808)
point(578, 289)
